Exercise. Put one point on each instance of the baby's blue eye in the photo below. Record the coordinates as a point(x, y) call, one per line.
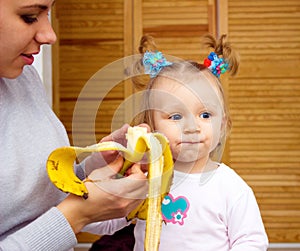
point(175, 117)
point(205, 115)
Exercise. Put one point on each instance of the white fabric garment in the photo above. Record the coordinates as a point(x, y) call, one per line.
point(214, 211)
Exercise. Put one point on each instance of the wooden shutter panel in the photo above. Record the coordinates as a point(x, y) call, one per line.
point(90, 36)
point(178, 26)
point(264, 147)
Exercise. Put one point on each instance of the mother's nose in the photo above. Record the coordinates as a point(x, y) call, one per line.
point(45, 34)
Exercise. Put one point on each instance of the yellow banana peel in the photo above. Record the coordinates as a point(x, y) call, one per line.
point(155, 146)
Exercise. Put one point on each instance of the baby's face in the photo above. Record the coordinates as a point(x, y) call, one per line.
point(189, 115)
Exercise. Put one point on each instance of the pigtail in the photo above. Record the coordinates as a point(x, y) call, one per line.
point(147, 43)
point(139, 79)
point(224, 50)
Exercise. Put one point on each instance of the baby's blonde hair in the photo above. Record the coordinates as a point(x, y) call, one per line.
point(184, 71)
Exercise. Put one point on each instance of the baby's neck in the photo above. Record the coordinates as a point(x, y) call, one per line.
point(199, 166)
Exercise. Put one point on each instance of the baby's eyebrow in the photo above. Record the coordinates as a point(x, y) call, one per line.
point(210, 105)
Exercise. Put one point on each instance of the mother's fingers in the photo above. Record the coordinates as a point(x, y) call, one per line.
point(128, 187)
point(108, 171)
point(117, 135)
point(145, 126)
point(137, 170)
point(134, 186)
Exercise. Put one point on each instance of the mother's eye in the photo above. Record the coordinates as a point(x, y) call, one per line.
point(175, 117)
point(29, 19)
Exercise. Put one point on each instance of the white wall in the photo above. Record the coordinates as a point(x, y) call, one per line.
point(43, 64)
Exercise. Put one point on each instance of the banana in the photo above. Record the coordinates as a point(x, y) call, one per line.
point(140, 143)
point(60, 170)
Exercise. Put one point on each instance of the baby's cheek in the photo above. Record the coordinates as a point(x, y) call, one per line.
point(215, 139)
point(175, 151)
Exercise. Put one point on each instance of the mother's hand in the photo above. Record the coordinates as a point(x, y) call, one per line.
point(100, 159)
point(108, 196)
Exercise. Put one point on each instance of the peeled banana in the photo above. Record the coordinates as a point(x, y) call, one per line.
point(140, 143)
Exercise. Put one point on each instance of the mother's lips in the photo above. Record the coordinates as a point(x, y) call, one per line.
point(28, 58)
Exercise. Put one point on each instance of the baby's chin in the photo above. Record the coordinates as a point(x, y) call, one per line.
point(186, 159)
point(189, 153)
point(187, 166)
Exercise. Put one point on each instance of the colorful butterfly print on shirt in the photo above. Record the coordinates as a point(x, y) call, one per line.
point(174, 210)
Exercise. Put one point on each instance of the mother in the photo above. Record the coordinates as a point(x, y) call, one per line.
point(35, 215)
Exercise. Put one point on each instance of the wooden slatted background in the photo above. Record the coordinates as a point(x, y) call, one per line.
point(264, 146)
point(91, 36)
point(178, 25)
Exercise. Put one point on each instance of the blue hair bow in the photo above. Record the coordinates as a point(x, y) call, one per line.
point(154, 62)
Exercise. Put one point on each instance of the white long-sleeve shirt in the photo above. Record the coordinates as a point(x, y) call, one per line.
point(213, 211)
